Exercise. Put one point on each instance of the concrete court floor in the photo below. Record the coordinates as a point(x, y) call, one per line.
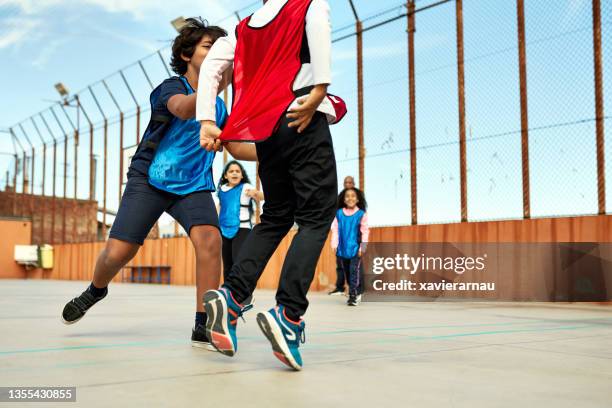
point(133, 350)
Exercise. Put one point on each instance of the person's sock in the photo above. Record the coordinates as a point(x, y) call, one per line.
point(97, 292)
point(291, 315)
point(200, 318)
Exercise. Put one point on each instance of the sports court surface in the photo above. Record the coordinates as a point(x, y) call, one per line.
point(133, 349)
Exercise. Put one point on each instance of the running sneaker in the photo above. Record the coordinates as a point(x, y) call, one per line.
point(284, 335)
point(77, 307)
point(352, 301)
point(336, 292)
point(199, 338)
point(223, 312)
point(358, 298)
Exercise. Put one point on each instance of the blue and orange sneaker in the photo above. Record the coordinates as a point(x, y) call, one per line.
point(223, 312)
point(285, 335)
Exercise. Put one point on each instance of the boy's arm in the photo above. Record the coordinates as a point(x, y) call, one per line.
point(242, 151)
point(219, 59)
point(173, 96)
point(182, 106)
point(226, 79)
point(318, 32)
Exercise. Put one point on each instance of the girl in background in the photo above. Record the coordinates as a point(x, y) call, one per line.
point(236, 196)
point(350, 235)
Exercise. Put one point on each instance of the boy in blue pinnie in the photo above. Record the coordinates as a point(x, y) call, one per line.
point(170, 173)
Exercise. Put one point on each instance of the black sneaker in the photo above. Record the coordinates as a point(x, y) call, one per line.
point(77, 307)
point(200, 339)
point(336, 292)
point(352, 301)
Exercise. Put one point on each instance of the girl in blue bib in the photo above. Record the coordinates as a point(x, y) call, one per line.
point(236, 207)
point(350, 235)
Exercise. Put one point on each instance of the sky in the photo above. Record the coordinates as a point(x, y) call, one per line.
point(81, 42)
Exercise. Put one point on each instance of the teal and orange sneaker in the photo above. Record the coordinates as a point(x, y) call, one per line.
point(223, 312)
point(284, 335)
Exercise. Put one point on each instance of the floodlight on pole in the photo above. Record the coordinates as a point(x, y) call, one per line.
point(178, 23)
point(61, 89)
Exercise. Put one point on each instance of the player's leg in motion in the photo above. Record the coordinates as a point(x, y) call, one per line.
point(206, 241)
point(313, 173)
point(140, 208)
point(226, 305)
point(115, 256)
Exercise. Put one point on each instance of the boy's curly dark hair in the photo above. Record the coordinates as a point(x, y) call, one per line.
point(361, 201)
point(189, 36)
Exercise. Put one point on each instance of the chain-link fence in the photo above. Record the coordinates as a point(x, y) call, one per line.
point(507, 118)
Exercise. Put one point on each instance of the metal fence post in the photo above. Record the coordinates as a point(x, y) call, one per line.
point(524, 108)
point(65, 173)
point(599, 108)
point(360, 119)
point(12, 132)
point(91, 232)
point(112, 96)
point(75, 130)
point(25, 135)
point(105, 161)
point(127, 85)
point(44, 176)
point(53, 202)
point(163, 63)
point(31, 195)
point(461, 82)
point(412, 97)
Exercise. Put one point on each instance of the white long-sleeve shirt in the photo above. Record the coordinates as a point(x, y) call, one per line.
point(218, 65)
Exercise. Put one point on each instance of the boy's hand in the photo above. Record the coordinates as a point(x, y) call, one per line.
point(359, 253)
point(209, 136)
point(307, 108)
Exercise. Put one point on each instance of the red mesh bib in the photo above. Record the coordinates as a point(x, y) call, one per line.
point(266, 62)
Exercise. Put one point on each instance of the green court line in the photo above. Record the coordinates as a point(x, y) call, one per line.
point(449, 326)
point(93, 346)
point(399, 339)
point(450, 336)
point(182, 341)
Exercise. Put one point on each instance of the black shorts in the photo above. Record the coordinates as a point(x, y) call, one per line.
point(142, 205)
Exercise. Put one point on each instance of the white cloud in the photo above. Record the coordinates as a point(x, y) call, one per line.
point(139, 9)
point(125, 38)
point(30, 7)
point(35, 21)
point(15, 30)
point(47, 52)
point(18, 31)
